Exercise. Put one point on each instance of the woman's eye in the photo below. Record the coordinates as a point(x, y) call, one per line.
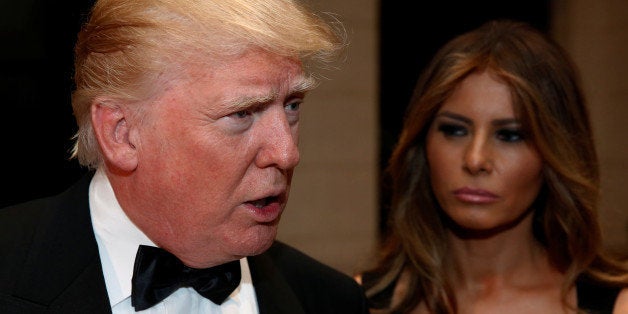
point(452, 130)
point(510, 135)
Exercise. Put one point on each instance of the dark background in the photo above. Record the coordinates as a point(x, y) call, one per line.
point(37, 39)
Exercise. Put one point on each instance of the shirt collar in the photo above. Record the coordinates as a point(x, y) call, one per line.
point(118, 238)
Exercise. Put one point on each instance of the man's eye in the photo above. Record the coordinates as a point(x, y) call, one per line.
point(293, 112)
point(451, 130)
point(293, 106)
point(241, 114)
point(510, 135)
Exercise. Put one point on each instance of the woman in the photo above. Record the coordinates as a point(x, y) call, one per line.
point(495, 187)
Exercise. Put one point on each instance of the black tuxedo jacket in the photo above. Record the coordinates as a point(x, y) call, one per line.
point(49, 263)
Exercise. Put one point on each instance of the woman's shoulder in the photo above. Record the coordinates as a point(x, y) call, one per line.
point(621, 303)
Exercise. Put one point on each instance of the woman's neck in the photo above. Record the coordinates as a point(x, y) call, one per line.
point(509, 257)
point(505, 271)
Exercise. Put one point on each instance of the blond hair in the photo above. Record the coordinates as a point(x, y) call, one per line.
point(125, 48)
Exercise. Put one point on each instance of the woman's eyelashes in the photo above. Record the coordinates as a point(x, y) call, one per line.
point(454, 130)
point(510, 135)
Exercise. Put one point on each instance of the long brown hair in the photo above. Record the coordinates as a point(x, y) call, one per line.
point(546, 93)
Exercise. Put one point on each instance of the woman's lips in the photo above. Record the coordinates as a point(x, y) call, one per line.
point(475, 196)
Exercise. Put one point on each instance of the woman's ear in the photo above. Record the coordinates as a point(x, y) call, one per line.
point(112, 130)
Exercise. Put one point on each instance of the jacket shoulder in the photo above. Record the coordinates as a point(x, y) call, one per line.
point(24, 225)
point(18, 227)
point(49, 254)
point(317, 285)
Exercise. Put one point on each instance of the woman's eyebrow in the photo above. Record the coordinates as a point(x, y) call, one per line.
point(462, 118)
point(454, 116)
point(506, 121)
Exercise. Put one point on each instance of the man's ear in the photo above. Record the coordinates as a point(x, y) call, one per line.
point(113, 132)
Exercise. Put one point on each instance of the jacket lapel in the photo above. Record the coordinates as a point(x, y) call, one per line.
point(274, 295)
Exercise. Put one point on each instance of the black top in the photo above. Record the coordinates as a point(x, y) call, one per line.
point(593, 297)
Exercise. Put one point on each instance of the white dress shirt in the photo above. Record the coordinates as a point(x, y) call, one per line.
point(118, 239)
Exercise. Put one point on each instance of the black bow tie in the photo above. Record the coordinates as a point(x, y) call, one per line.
point(158, 273)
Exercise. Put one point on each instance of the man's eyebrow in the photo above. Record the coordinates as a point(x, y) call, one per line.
point(246, 102)
point(303, 84)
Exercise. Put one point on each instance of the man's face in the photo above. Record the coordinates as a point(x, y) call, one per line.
point(216, 153)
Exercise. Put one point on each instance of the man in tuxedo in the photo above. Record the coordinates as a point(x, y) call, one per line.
point(188, 115)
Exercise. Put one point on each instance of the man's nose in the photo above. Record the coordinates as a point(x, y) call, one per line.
point(278, 141)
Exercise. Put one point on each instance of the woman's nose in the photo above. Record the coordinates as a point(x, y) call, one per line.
point(478, 157)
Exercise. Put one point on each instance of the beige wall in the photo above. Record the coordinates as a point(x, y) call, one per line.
point(595, 33)
point(331, 214)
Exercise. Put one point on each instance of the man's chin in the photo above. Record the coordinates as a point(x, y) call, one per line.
point(260, 242)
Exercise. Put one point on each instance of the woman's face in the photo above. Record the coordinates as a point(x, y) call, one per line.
point(484, 172)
